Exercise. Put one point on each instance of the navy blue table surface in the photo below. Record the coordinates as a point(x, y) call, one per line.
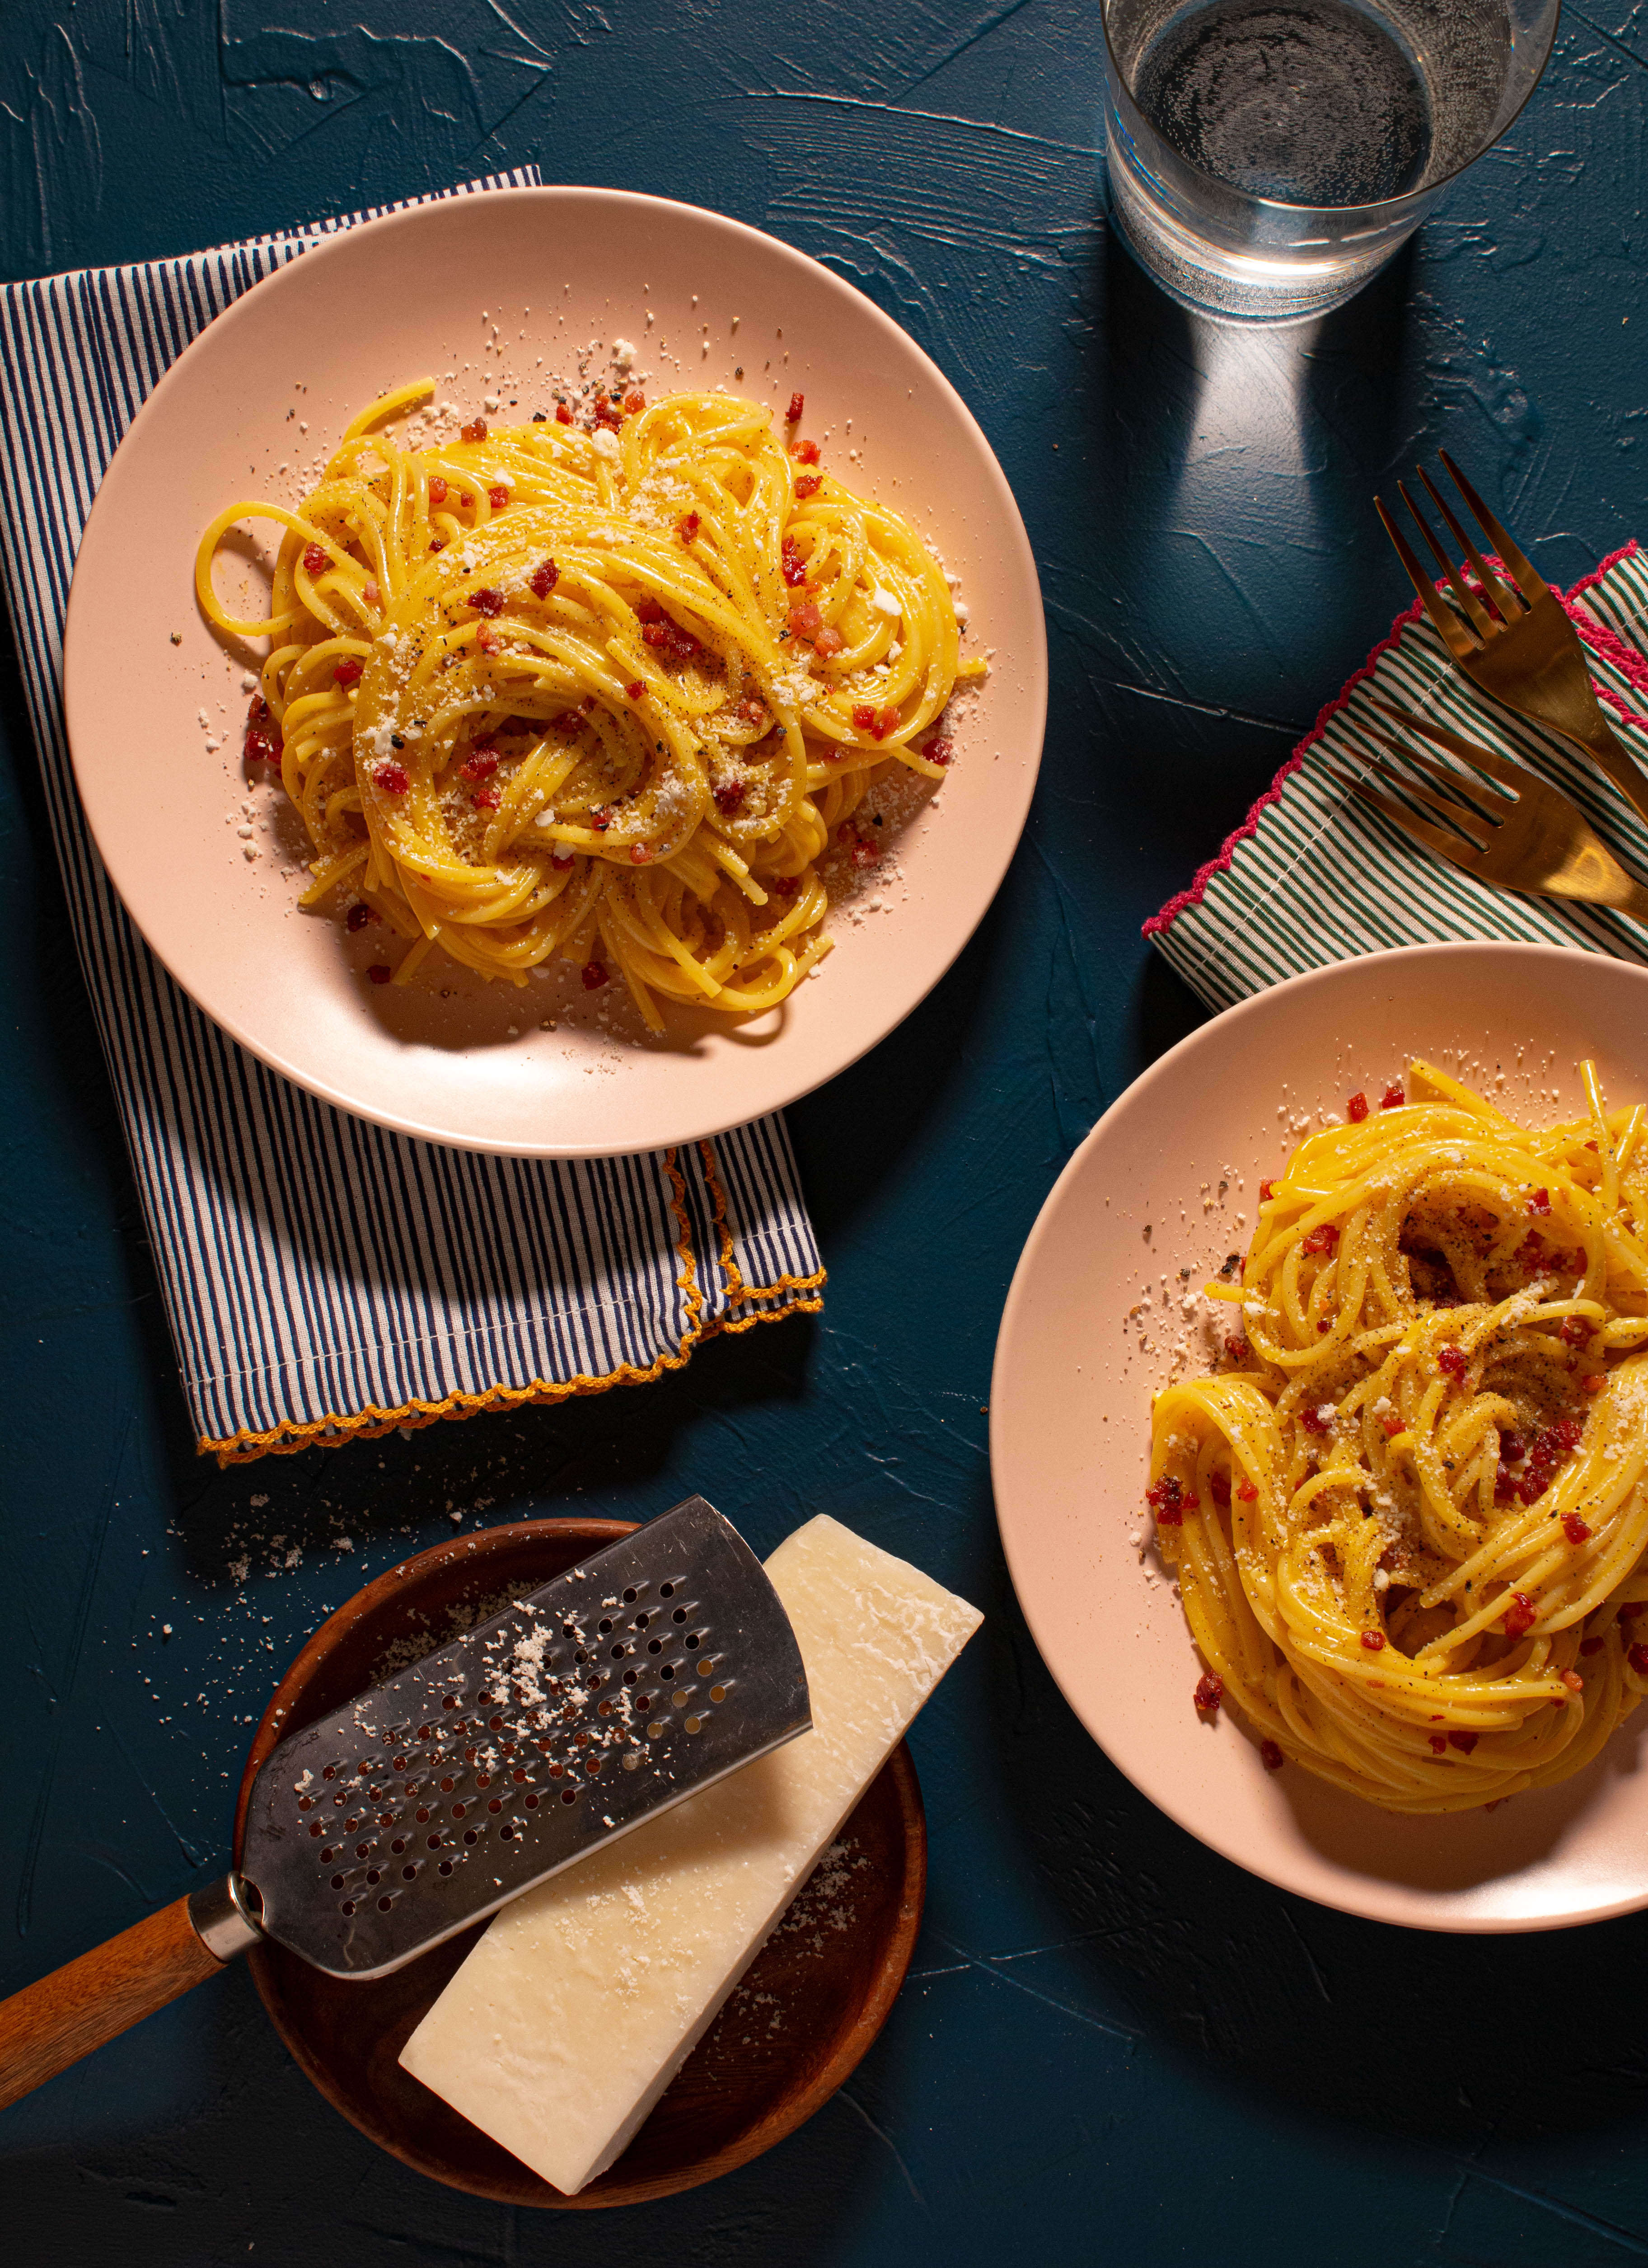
point(1112, 2043)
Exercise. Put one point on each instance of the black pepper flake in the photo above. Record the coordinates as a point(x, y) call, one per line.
point(396, 740)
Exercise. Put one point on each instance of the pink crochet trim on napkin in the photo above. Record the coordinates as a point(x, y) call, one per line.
point(1613, 649)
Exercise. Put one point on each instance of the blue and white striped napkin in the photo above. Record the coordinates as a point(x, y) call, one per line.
point(325, 1279)
point(1314, 875)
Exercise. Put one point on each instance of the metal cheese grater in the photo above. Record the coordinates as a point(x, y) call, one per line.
point(640, 1676)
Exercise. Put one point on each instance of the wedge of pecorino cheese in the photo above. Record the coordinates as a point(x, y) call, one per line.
point(584, 1998)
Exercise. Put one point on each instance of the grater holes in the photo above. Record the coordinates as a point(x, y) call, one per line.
point(584, 1712)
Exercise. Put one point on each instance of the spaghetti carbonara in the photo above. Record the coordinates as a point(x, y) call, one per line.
point(610, 685)
point(1408, 1515)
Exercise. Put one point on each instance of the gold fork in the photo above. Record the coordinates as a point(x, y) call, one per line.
point(1503, 824)
point(1513, 640)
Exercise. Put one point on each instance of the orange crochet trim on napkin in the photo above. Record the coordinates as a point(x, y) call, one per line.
point(335, 1429)
point(740, 1289)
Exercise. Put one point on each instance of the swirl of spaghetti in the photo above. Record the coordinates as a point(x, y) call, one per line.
point(608, 686)
point(1408, 1515)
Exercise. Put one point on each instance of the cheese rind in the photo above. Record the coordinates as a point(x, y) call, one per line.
point(584, 1998)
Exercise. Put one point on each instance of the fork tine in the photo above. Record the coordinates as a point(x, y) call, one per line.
point(1492, 801)
point(1531, 586)
point(1468, 601)
point(1496, 590)
point(1447, 804)
point(1446, 846)
point(1509, 775)
point(1453, 632)
point(1469, 604)
point(1460, 788)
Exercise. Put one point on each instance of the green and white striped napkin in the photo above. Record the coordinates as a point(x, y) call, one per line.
point(1316, 875)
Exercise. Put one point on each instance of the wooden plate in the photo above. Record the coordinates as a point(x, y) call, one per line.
point(825, 1993)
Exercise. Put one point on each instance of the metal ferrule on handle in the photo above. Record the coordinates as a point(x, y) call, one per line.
point(225, 1916)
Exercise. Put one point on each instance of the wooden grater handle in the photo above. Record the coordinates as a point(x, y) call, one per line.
point(51, 2024)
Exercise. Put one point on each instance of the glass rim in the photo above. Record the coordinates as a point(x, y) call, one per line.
point(1378, 204)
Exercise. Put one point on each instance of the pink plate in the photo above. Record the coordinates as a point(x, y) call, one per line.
point(496, 295)
point(1164, 1187)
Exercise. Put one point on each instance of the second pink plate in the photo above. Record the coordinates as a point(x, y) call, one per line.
point(1105, 1305)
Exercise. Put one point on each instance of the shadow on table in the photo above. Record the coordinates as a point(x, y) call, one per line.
point(196, 2138)
point(1449, 2042)
point(1233, 573)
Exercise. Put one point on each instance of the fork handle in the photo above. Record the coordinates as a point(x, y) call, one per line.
point(1607, 750)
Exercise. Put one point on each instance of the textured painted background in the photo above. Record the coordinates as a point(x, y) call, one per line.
point(1114, 2044)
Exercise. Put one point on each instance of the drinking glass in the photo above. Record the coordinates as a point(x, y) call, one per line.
point(1267, 156)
